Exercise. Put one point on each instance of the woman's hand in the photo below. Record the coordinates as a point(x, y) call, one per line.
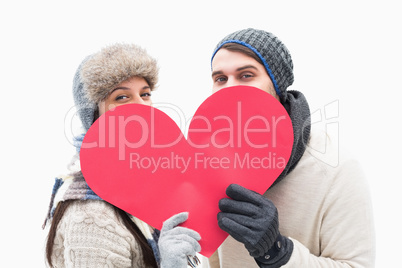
point(176, 243)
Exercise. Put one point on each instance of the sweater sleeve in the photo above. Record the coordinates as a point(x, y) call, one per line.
point(91, 235)
point(347, 229)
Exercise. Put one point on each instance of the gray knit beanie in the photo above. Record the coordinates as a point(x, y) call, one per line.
point(272, 52)
point(100, 72)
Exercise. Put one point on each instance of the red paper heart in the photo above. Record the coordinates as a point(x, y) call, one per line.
point(136, 158)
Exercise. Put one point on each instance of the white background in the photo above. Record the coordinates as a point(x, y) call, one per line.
point(344, 51)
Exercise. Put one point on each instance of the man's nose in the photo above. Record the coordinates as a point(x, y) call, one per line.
point(232, 82)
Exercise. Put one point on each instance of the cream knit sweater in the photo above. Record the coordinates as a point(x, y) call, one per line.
point(90, 234)
point(325, 208)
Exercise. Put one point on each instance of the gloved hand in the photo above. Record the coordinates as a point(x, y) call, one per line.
point(252, 219)
point(176, 243)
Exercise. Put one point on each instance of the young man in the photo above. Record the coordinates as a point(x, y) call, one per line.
point(314, 215)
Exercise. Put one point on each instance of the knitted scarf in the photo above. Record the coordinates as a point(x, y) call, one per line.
point(298, 109)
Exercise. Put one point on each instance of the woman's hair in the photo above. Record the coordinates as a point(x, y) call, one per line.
point(147, 253)
point(235, 47)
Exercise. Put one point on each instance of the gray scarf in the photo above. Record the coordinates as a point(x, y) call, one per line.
point(297, 107)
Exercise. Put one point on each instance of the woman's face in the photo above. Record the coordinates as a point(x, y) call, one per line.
point(133, 90)
point(230, 68)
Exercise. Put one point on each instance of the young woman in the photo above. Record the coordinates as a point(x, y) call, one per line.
point(315, 214)
point(86, 231)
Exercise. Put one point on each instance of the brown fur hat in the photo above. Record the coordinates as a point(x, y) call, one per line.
point(115, 64)
point(99, 73)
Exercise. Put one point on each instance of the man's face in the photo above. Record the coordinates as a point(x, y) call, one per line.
point(231, 68)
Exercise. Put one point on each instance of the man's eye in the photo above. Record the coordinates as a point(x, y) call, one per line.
point(247, 75)
point(147, 94)
point(220, 79)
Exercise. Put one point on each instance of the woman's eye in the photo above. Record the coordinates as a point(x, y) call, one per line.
point(122, 97)
point(146, 96)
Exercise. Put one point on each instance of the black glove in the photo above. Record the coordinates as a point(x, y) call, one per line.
point(252, 219)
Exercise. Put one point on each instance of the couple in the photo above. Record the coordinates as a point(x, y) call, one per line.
point(314, 215)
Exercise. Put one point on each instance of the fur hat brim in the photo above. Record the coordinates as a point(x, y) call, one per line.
point(114, 64)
